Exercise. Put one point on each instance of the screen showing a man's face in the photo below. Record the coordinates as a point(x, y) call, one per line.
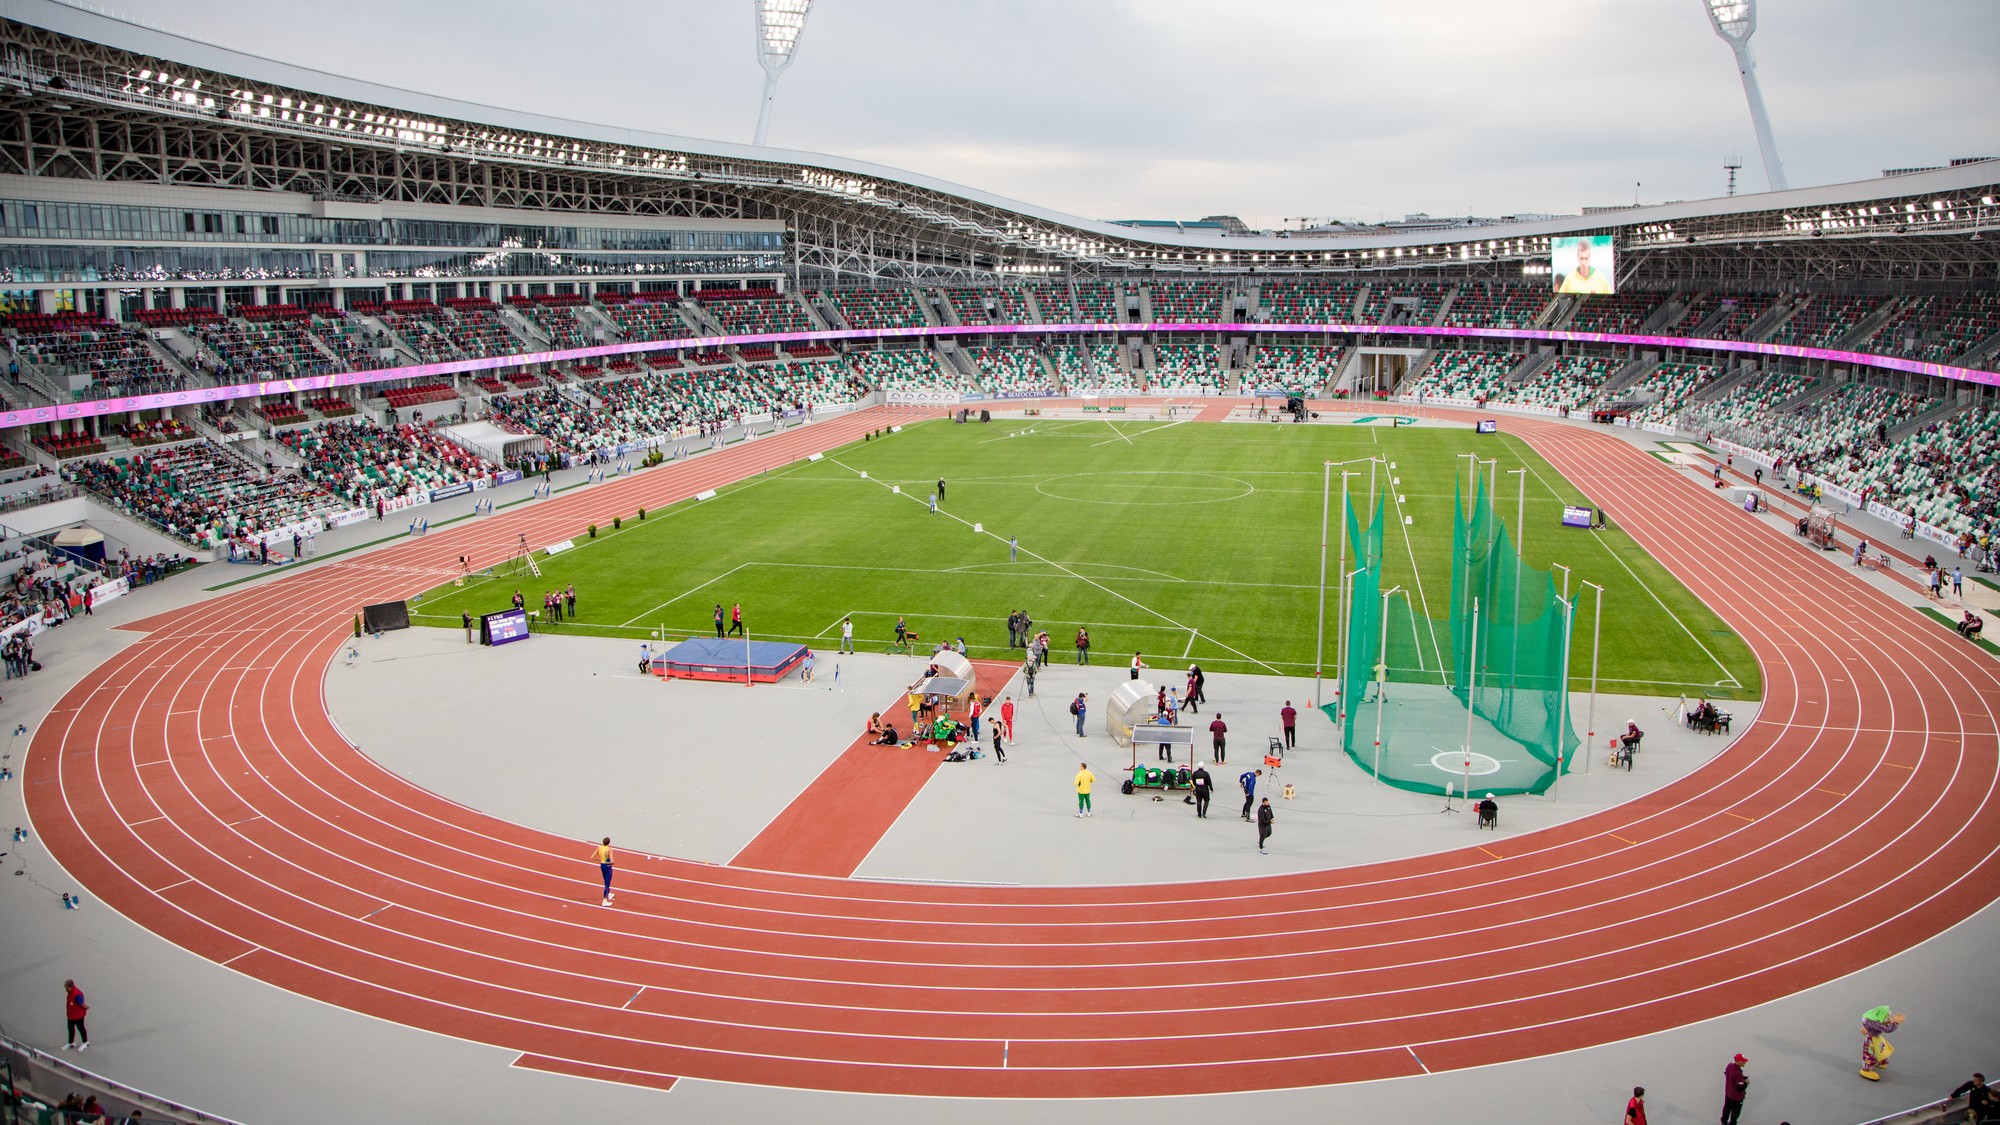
point(1582, 264)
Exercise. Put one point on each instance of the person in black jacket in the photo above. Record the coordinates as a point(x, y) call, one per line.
point(1981, 1103)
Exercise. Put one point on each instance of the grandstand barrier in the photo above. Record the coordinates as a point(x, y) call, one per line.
point(100, 407)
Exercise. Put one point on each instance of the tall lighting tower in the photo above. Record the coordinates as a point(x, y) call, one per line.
point(1735, 21)
point(779, 23)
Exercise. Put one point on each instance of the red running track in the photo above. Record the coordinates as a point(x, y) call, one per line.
point(195, 784)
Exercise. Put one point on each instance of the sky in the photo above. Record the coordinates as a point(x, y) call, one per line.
point(1272, 110)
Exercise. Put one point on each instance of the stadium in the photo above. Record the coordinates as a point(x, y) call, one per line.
point(1668, 528)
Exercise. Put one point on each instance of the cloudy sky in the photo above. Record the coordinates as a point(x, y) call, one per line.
point(1268, 109)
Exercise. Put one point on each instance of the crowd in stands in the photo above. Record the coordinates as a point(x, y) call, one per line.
point(156, 431)
point(362, 462)
point(116, 360)
point(198, 493)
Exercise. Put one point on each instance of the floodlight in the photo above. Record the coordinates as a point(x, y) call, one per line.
point(779, 24)
point(1735, 21)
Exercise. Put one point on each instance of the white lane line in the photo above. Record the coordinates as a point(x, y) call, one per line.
point(683, 594)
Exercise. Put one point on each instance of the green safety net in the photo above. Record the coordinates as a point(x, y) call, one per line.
point(1405, 689)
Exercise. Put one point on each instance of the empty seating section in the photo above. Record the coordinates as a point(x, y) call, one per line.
point(1670, 386)
point(329, 406)
point(70, 445)
point(1054, 300)
point(1294, 369)
point(1186, 302)
point(198, 493)
point(1618, 313)
point(479, 333)
point(904, 369)
point(1822, 321)
point(1846, 421)
point(281, 414)
point(1010, 305)
point(1013, 371)
point(174, 318)
point(1496, 306)
point(1938, 329)
point(649, 319)
point(1466, 375)
point(1564, 384)
point(1309, 302)
point(1746, 412)
point(1099, 302)
point(116, 361)
point(759, 315)
point(1188, 368)
point(425, 340)
point(361, 462)
point(1415, 303)
point(418, 394)
point(1728, 318)
point(1087, 366)
point(878, 308)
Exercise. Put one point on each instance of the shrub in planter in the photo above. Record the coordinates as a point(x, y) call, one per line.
point(642, 513)
point(593, 531)
point(616, 523)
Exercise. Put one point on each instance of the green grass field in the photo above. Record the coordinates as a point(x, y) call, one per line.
point(1185, 541)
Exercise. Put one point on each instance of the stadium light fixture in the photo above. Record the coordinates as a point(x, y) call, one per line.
point(1735, 21)
point(779, 25)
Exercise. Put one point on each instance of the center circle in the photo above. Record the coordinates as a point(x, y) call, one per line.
point(1143, 488)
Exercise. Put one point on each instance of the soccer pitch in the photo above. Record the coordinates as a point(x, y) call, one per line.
point(1186, 542)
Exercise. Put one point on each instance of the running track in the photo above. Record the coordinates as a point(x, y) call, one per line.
point(196, 784)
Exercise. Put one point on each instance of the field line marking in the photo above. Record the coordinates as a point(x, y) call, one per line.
point(1644, 585)
point(683, 594)
point(1142, 433)
point(1192, 635)
point(1142, 607)
point(1113, 427)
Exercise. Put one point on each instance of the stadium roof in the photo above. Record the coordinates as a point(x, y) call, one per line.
point(924, 225)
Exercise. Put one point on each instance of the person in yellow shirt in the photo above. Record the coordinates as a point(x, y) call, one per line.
point(603, 854)
point(1584, 279)
point(1084, 780)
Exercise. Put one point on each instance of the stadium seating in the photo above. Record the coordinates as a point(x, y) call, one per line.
point(1617, 313)
point(1821, 321)
point(1410, 303)
point(1054, 300)
point(1099, 302)
point(1564, 384)
point(281, 413)
point(1186, 369)
point(1186, 302)
point(116, 361)
point(649, 318)
point(1937, 329)
point(1010, 305)
point(1748, 410)
point(756, 312)
point(1482, 305)
point(1078, 368)
point(362, 462)
point(878, 308)
point(1464, 374)
point(905, 369)
point(199, 494)
point(1014, 371)
point(418, 394)
point(1294, 369)
point(1670, 384)
point(1309, 302)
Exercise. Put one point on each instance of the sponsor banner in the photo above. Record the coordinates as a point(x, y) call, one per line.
point(792, 413)
point(399, 503)
point(755, 419)
point(921, 398)
point(1043, 392)
point(506, 476)
point(105, 591)
point(481, 484)
point(282, 536)
point(558, 548)
point(347, 518)
point(462, 488)
point(1658, 428)
point(972, 396)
